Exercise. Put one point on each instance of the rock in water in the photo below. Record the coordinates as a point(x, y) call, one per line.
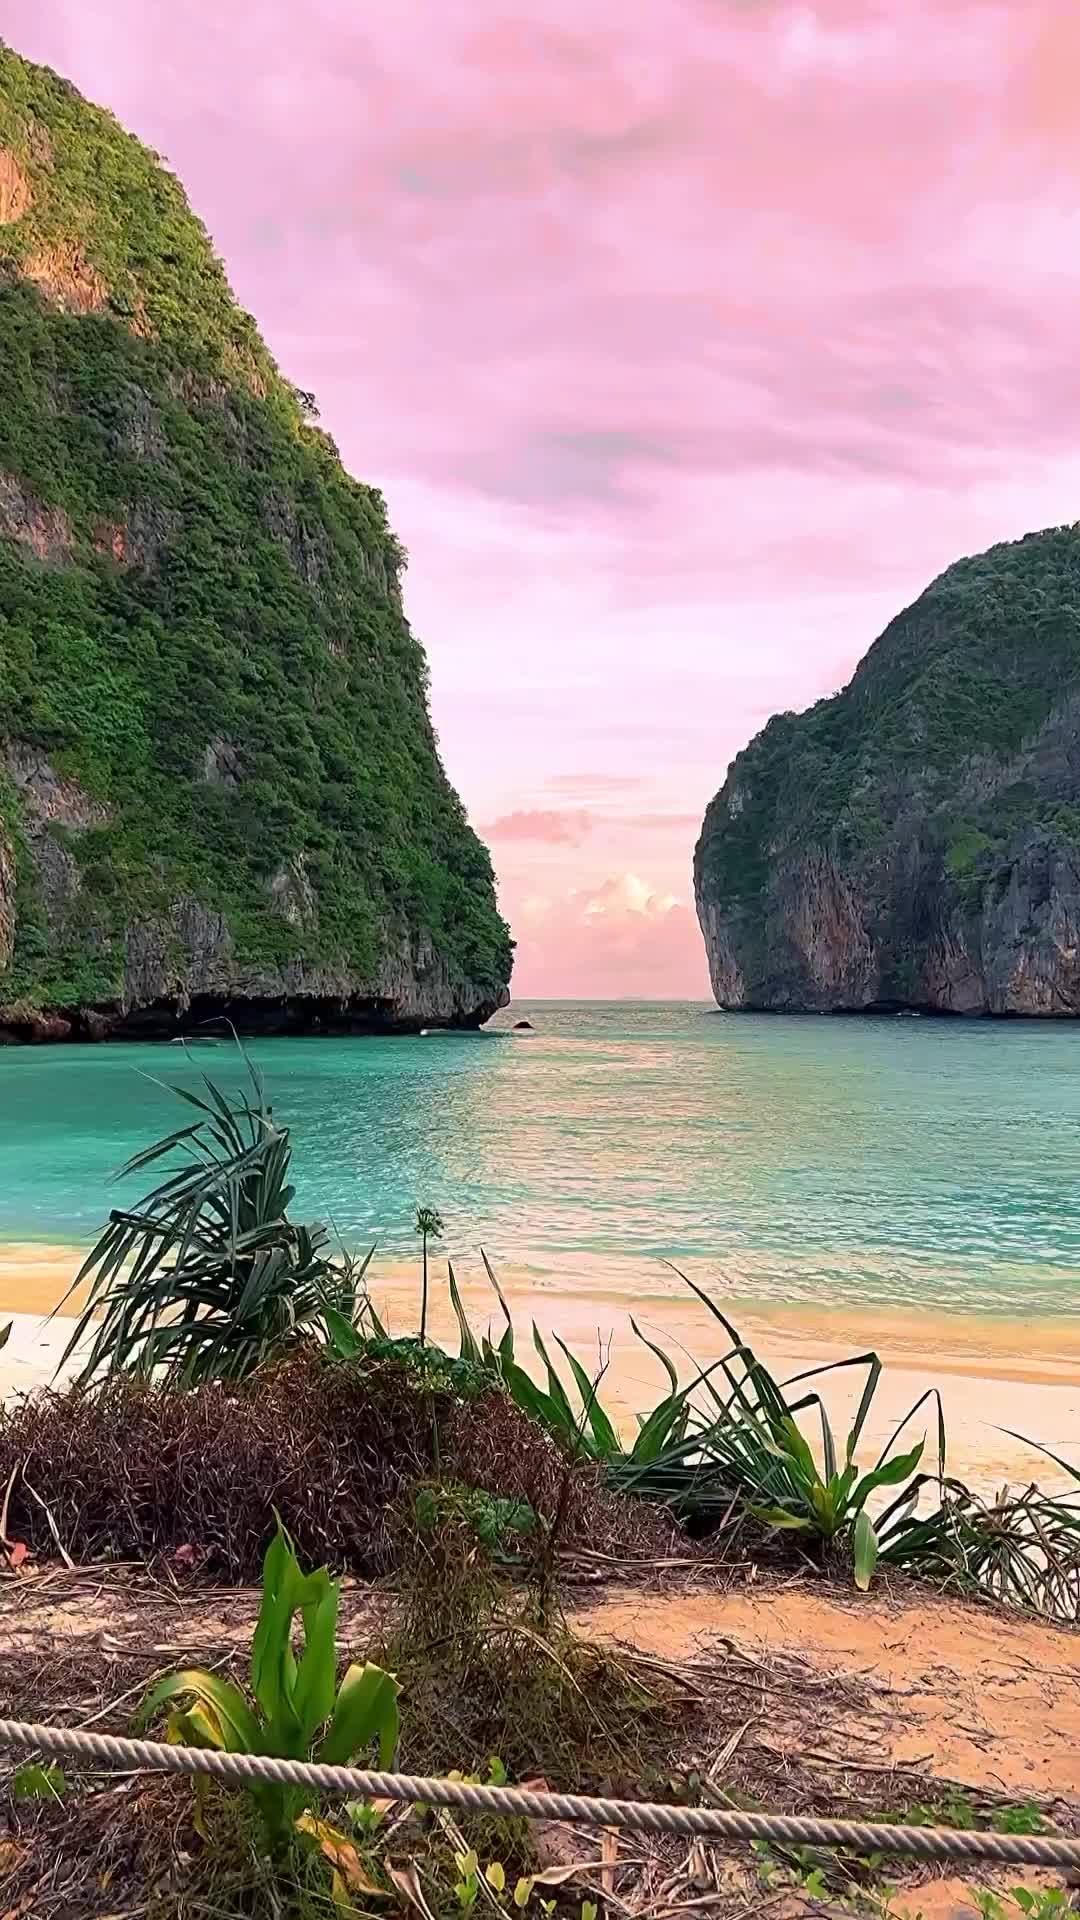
point(914, 842)
point(219, 786)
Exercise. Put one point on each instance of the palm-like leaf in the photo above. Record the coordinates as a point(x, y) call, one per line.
point(207, 1276)
point(730, 1437)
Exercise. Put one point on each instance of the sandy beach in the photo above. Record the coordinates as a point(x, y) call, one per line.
point(992, 1373)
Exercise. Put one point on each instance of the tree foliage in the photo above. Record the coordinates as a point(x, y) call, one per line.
point(215, 576)
point(957, 683)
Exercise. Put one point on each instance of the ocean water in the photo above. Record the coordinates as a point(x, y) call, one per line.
point(890, 1162)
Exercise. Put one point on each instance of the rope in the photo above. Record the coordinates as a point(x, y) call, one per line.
point(924, 1843)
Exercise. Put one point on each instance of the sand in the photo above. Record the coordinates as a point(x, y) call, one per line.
point(989, 1700)
point(866, 1699)
point(963, 1693)
point(992, 1373)
point(973, 1695)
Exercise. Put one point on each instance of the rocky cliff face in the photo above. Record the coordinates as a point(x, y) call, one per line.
point(220, 792)
point(915, 841)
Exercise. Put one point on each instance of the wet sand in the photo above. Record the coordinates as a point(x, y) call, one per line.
point(992, 1373)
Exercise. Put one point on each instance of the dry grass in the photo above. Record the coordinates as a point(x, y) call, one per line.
point(765, 1727)
point(130, 1847)
point(135, 1473)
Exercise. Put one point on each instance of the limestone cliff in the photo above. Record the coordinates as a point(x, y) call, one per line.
point(220, 792)
point(914, 842)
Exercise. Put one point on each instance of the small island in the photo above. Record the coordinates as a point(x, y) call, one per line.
point(220, 791)
point(914, 842)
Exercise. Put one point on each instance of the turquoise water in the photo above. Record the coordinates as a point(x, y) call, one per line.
point(896, 1162)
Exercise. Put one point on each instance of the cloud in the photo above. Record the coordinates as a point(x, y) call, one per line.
point(673, 406)
point(540, 823)
point(626, 894)
point(569, 827)
point(620, 939)
point(587, 298)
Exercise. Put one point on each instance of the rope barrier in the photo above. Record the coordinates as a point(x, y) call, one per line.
point(923, 1843)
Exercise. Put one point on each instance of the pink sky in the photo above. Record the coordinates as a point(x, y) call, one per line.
point(688, 340)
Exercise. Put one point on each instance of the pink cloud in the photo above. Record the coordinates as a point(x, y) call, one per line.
point(577, 943)
point(541, 823)
point(570, 826)
point(687, 341)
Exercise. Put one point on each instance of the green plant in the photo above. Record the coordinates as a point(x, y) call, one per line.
point(1021, 1549)
point(361, 1335)
point(36, 1781)
point(1025, 1818)
point(826, 1506)
point(590, 1432)
point(468, 1882)
point(294, 1701)
point(494, 1881)
point(730, 1442)
point(953, 1809)
point(429, 1226)
point(1034, 1904)
point(208, 1277)
point(817, 1873)
point(497, 1524)
point(956, 1809)
point(750, 1440)
point(701, 1451)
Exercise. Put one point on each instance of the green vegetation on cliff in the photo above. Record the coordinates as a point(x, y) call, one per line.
point(939, 778)
point(970, 671)
point(200, 619)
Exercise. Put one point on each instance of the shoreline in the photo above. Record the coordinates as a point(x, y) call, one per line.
point(994, 1372)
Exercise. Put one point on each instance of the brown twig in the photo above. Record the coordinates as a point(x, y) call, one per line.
point(53, 1528)
point(12, 1477)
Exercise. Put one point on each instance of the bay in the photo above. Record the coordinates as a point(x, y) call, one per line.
point(813, 1162)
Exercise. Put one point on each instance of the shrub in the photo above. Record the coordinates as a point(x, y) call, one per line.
point(137, 1471)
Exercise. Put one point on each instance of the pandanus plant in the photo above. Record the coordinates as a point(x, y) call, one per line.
point(729, 1438)
point(207, 1276)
